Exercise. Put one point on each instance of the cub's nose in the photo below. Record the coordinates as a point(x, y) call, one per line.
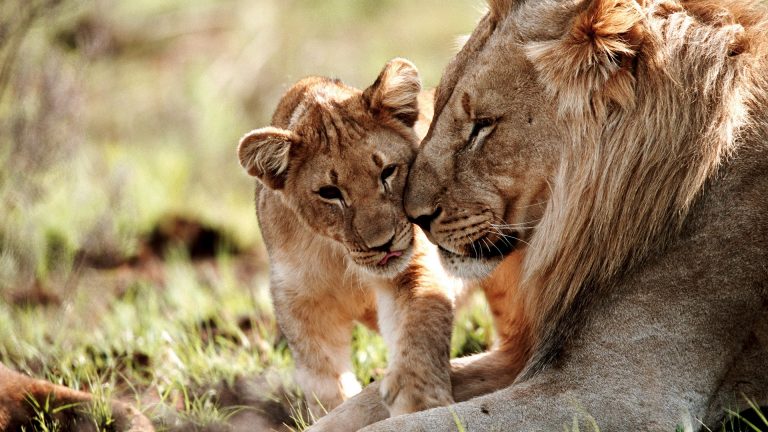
point(386, 247)
point(424, 221)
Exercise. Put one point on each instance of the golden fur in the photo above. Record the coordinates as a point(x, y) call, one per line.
point(620, 194)
point(584, 134)
point(332, 168)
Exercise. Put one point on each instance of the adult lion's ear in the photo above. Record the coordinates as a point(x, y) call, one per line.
point(396, 92)
point(265, 152)
point(592, 65)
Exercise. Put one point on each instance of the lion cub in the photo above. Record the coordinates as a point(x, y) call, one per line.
point(331, 170)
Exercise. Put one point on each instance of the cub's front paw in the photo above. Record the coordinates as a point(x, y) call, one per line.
point(406, 391)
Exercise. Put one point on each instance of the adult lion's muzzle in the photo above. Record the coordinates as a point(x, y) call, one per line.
point(422, 192)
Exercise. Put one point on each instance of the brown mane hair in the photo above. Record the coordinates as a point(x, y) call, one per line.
point(655, 96)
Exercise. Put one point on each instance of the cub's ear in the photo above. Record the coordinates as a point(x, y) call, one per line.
point(264, 153)
point(396, 92)
point(592, 64)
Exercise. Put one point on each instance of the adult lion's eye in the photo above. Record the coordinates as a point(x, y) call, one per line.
point(387, 172)
point(479, 130)
point(329, 192)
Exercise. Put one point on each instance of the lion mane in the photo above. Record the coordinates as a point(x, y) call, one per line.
point(620, 191)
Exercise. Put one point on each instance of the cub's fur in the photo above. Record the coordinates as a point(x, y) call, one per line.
point(331, 170)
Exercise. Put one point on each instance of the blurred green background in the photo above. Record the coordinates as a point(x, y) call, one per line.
point(116, 113)
point(130, 258)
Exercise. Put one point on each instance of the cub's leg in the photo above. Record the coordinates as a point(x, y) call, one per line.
point(319, 334)
point(471, 376)
point(415, 318)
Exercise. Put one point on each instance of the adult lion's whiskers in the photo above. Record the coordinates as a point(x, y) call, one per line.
point(474, 248)
point(485, 239)
point(505, 237)
point(517, 225)
point(538, 203)
point(527, 224)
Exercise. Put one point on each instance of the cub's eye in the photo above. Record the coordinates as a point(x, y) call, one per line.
point(478, 129)
point(387, 172)
point(329, 192)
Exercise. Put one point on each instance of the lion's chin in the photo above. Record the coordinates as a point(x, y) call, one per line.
point(393, 266)
point(468, 268)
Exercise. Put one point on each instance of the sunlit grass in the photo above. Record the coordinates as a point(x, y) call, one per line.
point(178, 340)
point(150, 337)
point(473, 330)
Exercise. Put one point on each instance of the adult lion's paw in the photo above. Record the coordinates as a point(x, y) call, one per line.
point(405, 391)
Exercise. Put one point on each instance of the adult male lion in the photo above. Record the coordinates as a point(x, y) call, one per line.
point(643, 126)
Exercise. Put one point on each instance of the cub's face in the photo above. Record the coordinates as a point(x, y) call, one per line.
point(339, 158)
point(353, 195)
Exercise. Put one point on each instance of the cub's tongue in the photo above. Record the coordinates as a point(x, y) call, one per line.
point(388, 256)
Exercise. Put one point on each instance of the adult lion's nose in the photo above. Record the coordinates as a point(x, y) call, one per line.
point(422, 193)
point(424, 220)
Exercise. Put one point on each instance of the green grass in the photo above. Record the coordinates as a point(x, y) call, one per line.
point(153, 344)
point(457, 421)
point(751, 420)
point(167, 345)
point(44, 419)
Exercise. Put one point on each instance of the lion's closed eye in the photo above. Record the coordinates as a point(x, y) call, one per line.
point(481, 129)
